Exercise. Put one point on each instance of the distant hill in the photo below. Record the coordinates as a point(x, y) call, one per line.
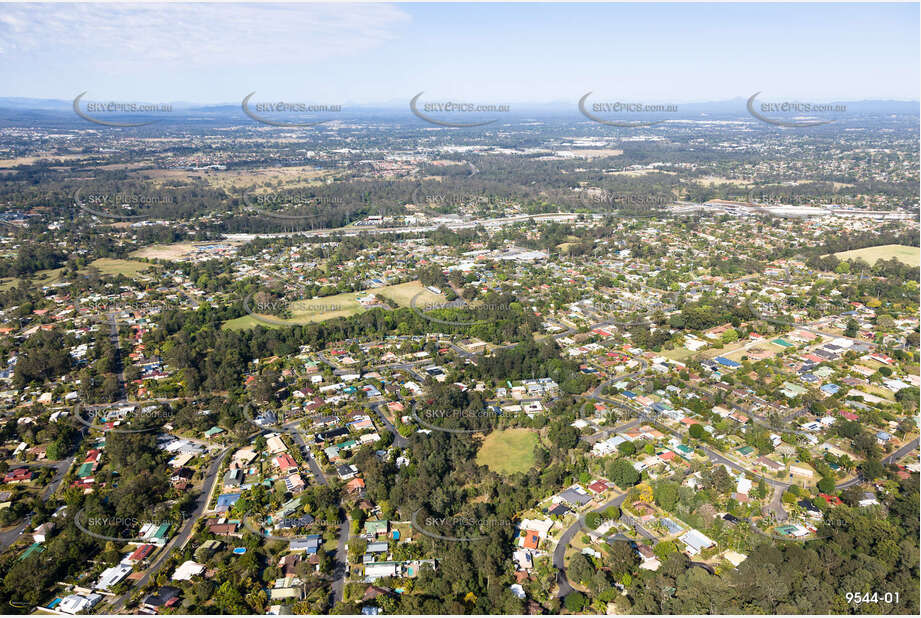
point(19, 110)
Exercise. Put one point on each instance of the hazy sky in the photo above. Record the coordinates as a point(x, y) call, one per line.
point(492, 53)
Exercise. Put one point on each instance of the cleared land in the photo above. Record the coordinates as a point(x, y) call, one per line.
point(177, 250)
point(301, 176)
point(403, 293)
point(904, 253)
point(595, 153)
point(712, 181)
point(305, 311)
point(41, 277)
point(340, 306)
point(508, 451)
point(128, 268)
point(678, 354)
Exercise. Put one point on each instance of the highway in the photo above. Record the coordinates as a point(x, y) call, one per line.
point(372, 230)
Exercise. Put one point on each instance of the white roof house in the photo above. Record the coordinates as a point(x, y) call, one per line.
point(606, 447)
point(744, 485)
point(541, 527)
point(112, 576)
point(76, 603)
point(375, 570)
point(187, 570)
point(696, 541)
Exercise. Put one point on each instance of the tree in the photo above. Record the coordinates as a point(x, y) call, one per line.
point(575, 601)
point(720, 480)
point(697, 431)
point(623, 473)
point(644, 492)
point(621, 558)
point(580, 568)
point(626, 449)
point(826, 485)
point(666, 495)
point(664, 549)
point(908, 397)
point(593, 520)
point(850, 330)
point(871, 469)
point(762, 490)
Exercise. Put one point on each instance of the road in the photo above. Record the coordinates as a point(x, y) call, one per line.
point(305, 451)
point(898, 454)
point(10, 536)
point(776, 505)
point(341, 561)
point(398, 440)
point(559, 552)
point(178, 542)
point(119, 365)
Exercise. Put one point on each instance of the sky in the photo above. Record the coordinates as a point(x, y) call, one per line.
point(482, 53)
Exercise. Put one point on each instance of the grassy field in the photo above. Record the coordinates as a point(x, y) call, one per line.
point(112, 267)
point(403, 293)
point(711, 181)
point(508, 451)
point(905, 254)
point(106, 266)
point(165, 252)
point(306, 311)
point(341, 305)
point(42, 277)
point(678, 354)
